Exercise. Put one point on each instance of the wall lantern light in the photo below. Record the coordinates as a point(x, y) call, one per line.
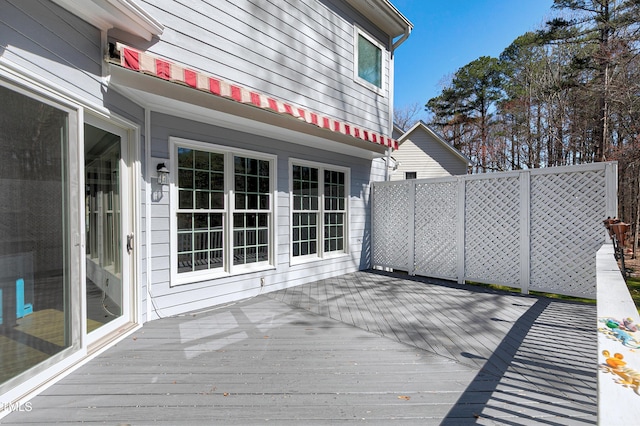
point(163, 174)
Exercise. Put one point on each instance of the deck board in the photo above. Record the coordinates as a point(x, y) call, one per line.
point(365, 346)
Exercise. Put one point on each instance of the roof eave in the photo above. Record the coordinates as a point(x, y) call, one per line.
point(126, 15)
point(384, 15)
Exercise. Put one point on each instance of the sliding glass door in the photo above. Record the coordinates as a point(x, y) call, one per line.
point(35, 294)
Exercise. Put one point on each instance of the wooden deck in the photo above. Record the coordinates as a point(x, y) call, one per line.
point(368, 346)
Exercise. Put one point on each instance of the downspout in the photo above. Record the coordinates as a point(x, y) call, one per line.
point(387, 175)
point(394, 46)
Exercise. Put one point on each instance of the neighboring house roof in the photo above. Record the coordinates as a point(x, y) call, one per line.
point(421, 125)
point(397, 131)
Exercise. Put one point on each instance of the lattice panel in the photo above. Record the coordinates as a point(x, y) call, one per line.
point(567, 210)
point(435, 229)
point(492, 231)
point(391, 225)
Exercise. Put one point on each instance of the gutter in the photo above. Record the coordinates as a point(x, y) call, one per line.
point(397, 43)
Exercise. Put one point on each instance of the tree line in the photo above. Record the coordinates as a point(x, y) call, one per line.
point(566, 94)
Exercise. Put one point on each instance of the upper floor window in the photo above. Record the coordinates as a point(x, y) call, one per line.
point(223, 211)
point(368, 60)
point(410, 175)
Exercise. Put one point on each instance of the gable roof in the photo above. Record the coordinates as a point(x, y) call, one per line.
point(420, 125)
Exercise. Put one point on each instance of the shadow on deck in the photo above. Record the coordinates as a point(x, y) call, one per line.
point(367, 346)
point(535, 357)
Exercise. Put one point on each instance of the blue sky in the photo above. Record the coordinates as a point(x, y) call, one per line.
point(448, 34)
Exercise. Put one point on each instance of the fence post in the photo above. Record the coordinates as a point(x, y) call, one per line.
point(412, 227)
point(372, 211)
point(611, 179)
point(460, 228)
point(525, 231)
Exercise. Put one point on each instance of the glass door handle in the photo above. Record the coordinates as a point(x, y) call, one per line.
point(129, 243)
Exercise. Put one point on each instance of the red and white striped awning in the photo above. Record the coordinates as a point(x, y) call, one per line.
point(147, 63)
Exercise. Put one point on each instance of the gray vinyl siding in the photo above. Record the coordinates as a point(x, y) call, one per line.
point(169, 300)
point(298, 51)
point(56, 45)
point(423, 154)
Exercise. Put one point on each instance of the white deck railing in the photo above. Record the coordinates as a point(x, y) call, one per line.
point(618, 386)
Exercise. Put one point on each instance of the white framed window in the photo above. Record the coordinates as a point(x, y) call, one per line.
point(319, 210)
point(222, 208)
point(368, 61)
point(410, 175)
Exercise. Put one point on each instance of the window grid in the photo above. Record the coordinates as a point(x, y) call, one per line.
point(305, 210)
point(211, 232)
point(200, 218)
point(200, 241)
point(251, 210)
point(315, 209)
point(250, 238)
point(334, 207)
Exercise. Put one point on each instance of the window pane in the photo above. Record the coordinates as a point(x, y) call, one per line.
point(185, 157)
point(201, 160)
point(217, 162)
point(250, 242)
point(241, 183)
point(263, 202)
point(334, 231)
point(304, 235)
point(334, 190)
point(217, 181)
point(185, 221)
point(202, 200)
point(197, 234)
point(185, 179)
point(305, 188)
point(369, 62)
point(200, 260)
point(185, 199)
point(251, 187)
point(252, 165)
point(253, 202)
point(185, 262)
point(264, 168)
point(241, 202)
point(200, 174)
point(34, 269)
point(217, 200)
point(201, 180)
point(185, 242)
point(239, 165)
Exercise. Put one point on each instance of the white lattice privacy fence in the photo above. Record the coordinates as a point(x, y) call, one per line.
point(532, 229)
